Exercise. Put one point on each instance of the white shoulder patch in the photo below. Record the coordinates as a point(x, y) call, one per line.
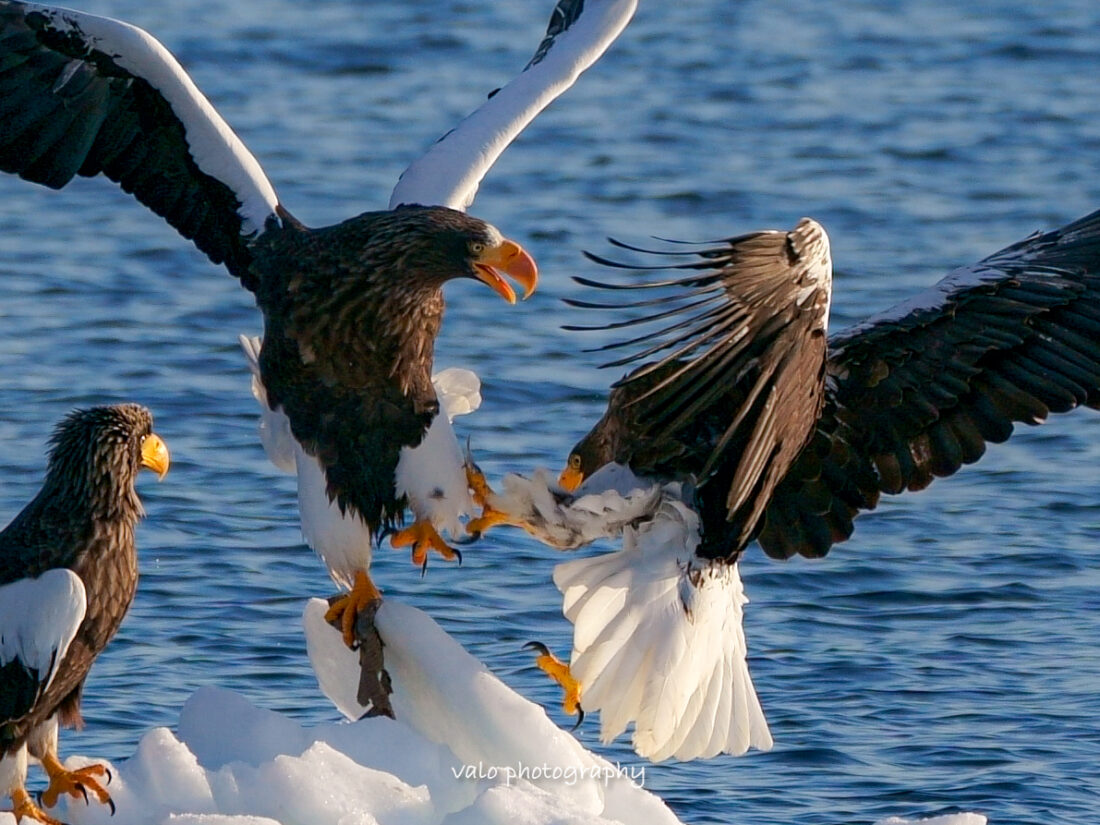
point(214, 146)
point(39, 618)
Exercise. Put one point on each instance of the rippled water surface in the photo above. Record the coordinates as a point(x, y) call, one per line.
point(945, 656)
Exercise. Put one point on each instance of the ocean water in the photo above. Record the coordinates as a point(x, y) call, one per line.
point(943, 658)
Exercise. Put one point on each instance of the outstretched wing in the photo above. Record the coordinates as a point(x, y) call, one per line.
point(38, 619)
point(81, 94)
point(917, 391)
point(449, 173)
point(738, 370)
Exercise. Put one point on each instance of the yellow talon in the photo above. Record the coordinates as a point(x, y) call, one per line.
point(478, 484)
point(423, 537)
point(482, 495)
point(346, 608)
point(559, 671)
point(24, 807)
point(490, 518)
point(76, 783)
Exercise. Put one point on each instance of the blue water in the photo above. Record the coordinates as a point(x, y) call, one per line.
point(943, 657)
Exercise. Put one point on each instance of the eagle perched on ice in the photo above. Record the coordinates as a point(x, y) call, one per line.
point(68, 572)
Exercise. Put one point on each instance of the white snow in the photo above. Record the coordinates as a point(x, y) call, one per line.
point(464, 750)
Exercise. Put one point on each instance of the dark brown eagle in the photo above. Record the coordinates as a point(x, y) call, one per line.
point(351, 312)
point(907, 396)
point(751, 425)
point(68, 572)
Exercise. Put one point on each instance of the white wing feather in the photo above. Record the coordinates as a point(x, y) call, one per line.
point(39, 618)
point(275, 435)
point(449, 173)
point(215, 148)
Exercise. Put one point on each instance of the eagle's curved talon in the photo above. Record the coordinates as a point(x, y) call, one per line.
point(422, 536)
point(75, 783)
point(345, 609)
point(559, 671)
point(111, 802)
point(580, 718)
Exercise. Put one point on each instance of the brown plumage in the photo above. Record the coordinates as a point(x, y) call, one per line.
point(351, 311)
point(733, 403)
point(909, 395)
point(82, 521)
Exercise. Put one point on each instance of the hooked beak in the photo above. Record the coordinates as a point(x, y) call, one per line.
point(570, 479)
point(154, 455)
point(511, 259)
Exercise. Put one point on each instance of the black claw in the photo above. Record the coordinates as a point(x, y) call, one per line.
point(580, 718)
point(458, 553)
point(424, 568)
point(539, 646)
point(83, 791)
point(109, 774)
point(111, 803)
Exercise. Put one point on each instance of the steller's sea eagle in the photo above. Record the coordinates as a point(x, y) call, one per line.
point(68, 572)
point(351, 311)
point(747, 421)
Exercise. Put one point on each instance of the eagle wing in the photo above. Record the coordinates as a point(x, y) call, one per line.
point(916, 392)
point(39, 618)
point(449, 173)
point(89, 95)
point(730, 398)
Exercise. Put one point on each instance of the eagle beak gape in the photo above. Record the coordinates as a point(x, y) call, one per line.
point(154, 455)
point(511, 259)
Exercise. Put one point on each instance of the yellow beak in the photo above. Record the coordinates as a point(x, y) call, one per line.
point(154, 455)
point(511, 259)
point(570, 479)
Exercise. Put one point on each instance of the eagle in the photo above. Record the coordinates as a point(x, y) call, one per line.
point(68, 572)
point(351, 311)
point(754, 423)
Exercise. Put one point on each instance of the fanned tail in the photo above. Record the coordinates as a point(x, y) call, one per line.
point(658, 641)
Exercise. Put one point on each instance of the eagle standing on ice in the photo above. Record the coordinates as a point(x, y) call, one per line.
point(68, 572)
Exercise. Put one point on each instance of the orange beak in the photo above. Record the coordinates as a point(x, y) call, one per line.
point(511, 259)
point(570, 479)
point(154, 455)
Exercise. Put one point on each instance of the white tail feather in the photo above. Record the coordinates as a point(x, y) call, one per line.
point(658, 641)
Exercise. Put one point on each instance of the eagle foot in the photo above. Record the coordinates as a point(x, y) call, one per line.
point(76, 783)
point(423, 537)
point(23, 807)
point(559, 671)
point(344, 610)
point(482, 495)
point(489, 518)
point(478, 484)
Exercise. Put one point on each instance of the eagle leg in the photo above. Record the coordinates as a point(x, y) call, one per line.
point(423, 537)
point(75, 783)
point(24, 808)
point(346, 608)
point(559, 671)
point(483, 495)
